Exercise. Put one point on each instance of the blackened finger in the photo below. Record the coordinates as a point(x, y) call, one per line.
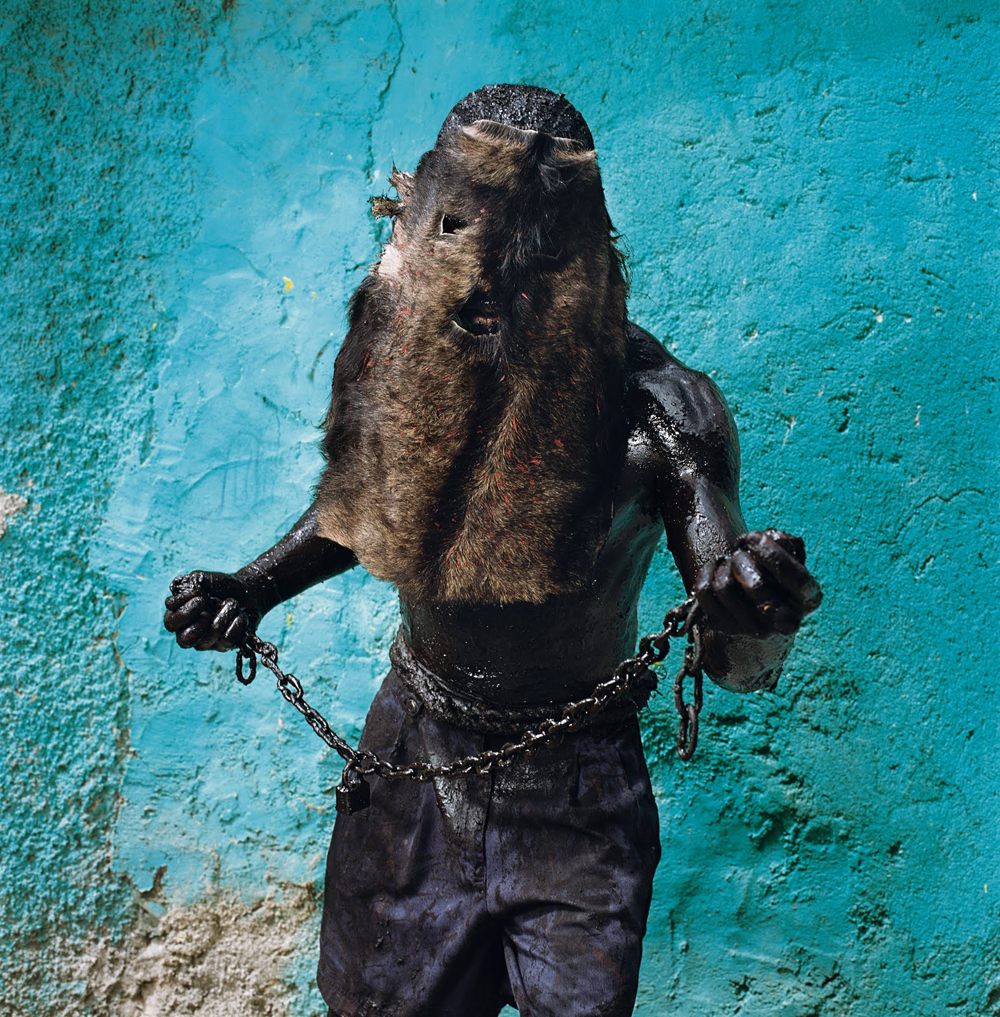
point(756, 585)
point(186, 613)
point(795, 546)
point(793, 577)
point(776, 611)
point(189, 636)
point(769, 601)
point(183, 586)
point(225, 615)
point(237, 630)
point(189, 585)
point(174, 621)
point(742, 616)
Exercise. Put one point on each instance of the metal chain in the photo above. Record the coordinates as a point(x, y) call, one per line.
point(683, 620)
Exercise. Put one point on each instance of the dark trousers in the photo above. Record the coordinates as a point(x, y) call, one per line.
point(530, 886)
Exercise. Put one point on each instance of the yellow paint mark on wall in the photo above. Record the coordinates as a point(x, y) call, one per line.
point(288, 283)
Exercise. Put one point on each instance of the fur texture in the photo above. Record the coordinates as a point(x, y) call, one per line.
point(473, 467)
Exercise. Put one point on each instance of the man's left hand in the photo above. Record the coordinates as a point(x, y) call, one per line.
point(763, 587)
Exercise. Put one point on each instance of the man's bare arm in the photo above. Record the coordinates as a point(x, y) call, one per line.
point(215, 610)
point(753, 587)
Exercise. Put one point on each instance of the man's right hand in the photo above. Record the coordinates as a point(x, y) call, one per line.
point(211, 610)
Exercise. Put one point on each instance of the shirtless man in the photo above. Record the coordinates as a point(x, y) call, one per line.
point(507, 448)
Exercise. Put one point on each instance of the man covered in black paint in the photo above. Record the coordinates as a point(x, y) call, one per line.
point(506, 448)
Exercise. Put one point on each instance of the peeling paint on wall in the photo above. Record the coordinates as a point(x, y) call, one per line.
point(214, 958)
point(10, 505)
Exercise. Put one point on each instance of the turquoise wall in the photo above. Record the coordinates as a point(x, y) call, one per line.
point(810, 196)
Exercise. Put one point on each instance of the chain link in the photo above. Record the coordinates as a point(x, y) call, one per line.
point(683, 620)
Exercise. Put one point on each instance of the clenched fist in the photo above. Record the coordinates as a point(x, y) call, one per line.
point(211, 610)
point(763, 587)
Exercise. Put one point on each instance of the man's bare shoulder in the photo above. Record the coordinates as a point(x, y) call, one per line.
point(672, 403)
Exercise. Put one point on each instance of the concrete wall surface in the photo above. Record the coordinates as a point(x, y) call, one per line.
point(809, 192)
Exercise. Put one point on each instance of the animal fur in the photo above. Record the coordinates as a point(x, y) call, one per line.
point(480, 468)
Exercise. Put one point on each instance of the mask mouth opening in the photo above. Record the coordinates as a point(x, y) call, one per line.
point(479, 315)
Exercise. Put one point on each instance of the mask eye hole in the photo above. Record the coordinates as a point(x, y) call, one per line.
point(451, 224)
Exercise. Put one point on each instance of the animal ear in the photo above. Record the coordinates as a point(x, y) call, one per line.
point(487, 144)
point(504, 137)
point(497, 134)
point(500, 153)
point(402, 182)
point(571, 154)
point(574, 164)
point(493, 153)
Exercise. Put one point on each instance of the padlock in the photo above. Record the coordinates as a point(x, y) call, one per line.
point(353, 793)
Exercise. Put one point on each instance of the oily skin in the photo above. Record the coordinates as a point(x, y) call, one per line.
point(681, 473)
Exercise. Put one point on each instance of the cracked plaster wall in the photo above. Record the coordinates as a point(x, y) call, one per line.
point(810, 196)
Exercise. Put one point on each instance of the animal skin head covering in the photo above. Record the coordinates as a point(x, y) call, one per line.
point(474, 429)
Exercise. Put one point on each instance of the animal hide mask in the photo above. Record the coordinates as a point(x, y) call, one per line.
point(475, 427)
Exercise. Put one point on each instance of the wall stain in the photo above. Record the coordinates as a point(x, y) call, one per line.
point(217, 957)
point(10, 505)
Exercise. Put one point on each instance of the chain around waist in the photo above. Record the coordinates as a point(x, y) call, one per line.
point(458, 707)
